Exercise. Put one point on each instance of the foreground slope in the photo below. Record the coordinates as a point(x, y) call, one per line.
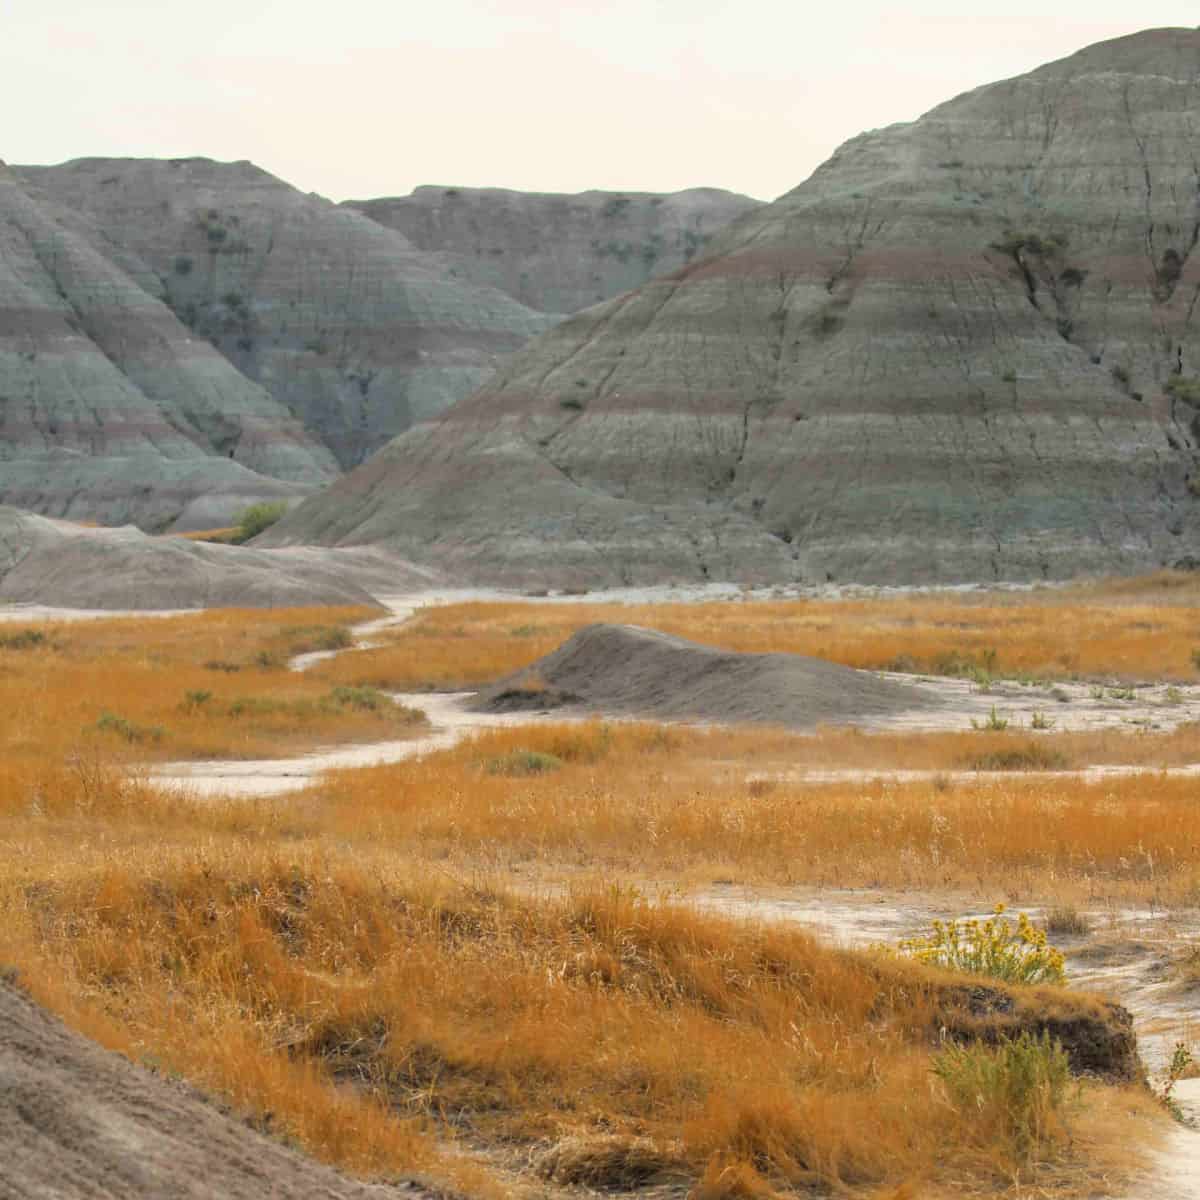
point(962, 349)
point(554, 252)
point(79, 1122)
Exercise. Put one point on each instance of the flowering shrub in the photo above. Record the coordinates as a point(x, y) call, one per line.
point(1019, 954)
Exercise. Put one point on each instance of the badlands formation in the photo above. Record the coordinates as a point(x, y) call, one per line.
point(559, 253)
point(962, 350)
point(184, 337)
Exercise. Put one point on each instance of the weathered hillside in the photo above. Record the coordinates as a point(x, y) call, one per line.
point(559, 253)
point(963, 349)
point(110, 408)
point(345, 323)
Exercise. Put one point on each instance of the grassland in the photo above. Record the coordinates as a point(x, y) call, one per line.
point(207, 685)
point(1121, 631)
point(378, 1013)
point(469, 967)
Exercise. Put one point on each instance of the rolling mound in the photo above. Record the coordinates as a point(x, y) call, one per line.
point(642, 673)
point(962, 350)
point(43, 561)
point(80, 1123)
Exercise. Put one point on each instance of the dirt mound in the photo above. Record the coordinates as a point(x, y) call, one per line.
point(43, 561)
point(639, 672)
point(77, 1121)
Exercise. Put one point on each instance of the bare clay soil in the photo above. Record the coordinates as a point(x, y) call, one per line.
point(80, 1123)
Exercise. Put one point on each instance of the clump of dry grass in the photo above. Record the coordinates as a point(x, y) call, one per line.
point(1066, 920)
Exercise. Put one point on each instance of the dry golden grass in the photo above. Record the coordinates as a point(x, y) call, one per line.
point(324, 959)
point(378, 1013)
point(1117, 631)
point(225, 534)
point(211, 684)
point(660, 803)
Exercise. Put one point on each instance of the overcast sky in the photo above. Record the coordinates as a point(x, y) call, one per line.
point(357, 98)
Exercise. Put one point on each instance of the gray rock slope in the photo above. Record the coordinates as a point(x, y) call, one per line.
point(344, 323)
point(46, 561)
point(559, 253)
point(963, 349)
point(80, 1123)
point(109, 407)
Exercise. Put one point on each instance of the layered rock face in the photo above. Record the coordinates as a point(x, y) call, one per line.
point(559, 253)
point(345, 323)
point(110, 408)
point(963, 349)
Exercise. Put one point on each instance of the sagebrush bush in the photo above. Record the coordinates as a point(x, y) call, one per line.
point(1015, 1091)
point(523, 762)
point(22, 639)
point(993, 947)
point(253, 520)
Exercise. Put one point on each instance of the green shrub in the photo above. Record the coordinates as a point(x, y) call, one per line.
point(111, 723)
point(1033, 756)
point(1017, 1090)
point(523, 762)
point(22, 639)
point(994, 723)
point(993, 947)
point(364, 699)
point(193, 701)
point(1185, 388)
point(320, 637)
point(253, 520)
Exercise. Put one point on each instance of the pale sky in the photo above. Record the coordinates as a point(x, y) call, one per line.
point(359, 98)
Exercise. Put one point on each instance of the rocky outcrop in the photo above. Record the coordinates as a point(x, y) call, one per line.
point(46, 561)
point(964, 349)
point(559, 253)
point(110, 408)
point(344, 323)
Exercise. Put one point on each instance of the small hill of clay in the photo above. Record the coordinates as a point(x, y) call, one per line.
point(640, 672)
point(79, 1122)
point(44, 561)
